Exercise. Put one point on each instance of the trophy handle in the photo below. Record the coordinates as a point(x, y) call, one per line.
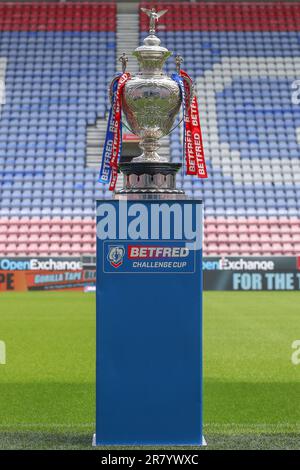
point(175, 127)
point(128, 128)
point(192, 93)
point(191, 89)
point(111, 87)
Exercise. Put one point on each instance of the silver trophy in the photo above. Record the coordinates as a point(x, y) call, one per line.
point(151, 101)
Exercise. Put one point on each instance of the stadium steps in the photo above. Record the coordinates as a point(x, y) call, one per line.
point(127, 38)
point(3, 62)
point(95, 142)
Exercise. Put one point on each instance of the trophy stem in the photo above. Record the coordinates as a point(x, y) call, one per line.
point(149, 145)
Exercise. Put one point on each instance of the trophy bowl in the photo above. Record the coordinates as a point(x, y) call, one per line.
point(151, 105)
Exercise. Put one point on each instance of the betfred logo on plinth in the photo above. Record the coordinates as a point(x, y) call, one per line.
point(144, 251)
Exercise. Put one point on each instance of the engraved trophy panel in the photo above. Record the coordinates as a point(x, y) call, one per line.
point(151, 106)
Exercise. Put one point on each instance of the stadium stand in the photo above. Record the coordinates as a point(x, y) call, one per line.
point(57, 59)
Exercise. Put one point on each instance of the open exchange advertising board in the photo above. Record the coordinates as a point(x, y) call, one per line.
point(227, 273)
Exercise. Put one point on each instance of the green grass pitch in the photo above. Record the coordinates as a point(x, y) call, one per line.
point(251, 387)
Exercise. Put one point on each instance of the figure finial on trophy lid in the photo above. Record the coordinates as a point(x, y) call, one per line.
point(123, 59)
point(154, 17)
point(178, 61)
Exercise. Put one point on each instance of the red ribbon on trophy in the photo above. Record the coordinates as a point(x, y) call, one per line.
point(193, 143)
point(117, 130)
point(113, 140)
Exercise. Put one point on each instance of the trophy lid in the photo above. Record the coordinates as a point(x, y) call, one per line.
point(152, 48)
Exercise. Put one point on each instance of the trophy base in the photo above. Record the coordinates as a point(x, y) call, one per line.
point(154, 180)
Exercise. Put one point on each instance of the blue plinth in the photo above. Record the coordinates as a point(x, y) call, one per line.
point(149, 323)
